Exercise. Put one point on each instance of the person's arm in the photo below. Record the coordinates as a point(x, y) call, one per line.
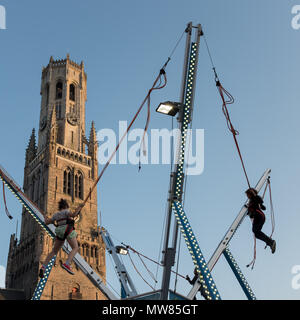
point(48, 220)
point(76, 212)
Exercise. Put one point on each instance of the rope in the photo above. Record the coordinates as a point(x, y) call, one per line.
point(229, 123)
point(147, 98)
point(5, 206)
point(180, 275)
point(222, 91)
point(148, 115)
point(252, 263)
point(135, 268)
point(271, 209)
point(162, 71)
point(231, 128)
point(150, 273)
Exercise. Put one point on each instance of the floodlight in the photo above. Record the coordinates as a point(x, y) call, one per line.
point(170, 108)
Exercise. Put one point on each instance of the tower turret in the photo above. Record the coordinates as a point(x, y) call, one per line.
point(31, 149)
point(92, 150)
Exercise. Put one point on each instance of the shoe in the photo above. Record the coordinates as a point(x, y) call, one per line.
point(68, 268)
point(41, 273)
point(273, 246)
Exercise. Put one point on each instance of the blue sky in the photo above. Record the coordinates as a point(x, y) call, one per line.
point(123, 45)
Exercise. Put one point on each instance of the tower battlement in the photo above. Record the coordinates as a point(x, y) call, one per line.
point(61, 63)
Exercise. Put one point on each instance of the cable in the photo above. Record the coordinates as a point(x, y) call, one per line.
point(177, 43)
point(137, 271)
point(150, 273)
point(127, 246)
point(209, 54)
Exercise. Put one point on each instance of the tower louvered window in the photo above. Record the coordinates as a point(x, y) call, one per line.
point(59, 90)
point(78, 185)
point(67, 182)
point(72, 92)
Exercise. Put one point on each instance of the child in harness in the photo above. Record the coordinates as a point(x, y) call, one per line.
point(64, 219)
point(255, 208)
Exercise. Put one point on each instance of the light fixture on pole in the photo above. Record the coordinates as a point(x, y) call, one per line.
point(169, 108)
point(121, 250)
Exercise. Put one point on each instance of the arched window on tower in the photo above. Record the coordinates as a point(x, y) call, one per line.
point(76, 186)
point(79, 185)
point(72, 92)
point(67, 182)
point(59, 90)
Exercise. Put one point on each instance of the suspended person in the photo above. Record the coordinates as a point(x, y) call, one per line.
point(64, 219)
point(193, 281)
point(255, 208)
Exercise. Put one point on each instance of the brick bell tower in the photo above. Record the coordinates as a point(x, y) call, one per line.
point(62, 165)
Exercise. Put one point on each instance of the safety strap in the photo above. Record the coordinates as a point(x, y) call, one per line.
point(271, 209)
point(68, 230)
point(162, 72)
point(252, 263)
point(5, 205)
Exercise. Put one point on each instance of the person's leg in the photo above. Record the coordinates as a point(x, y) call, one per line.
point(74, 245)
point(258, 222)
point(57, 245)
